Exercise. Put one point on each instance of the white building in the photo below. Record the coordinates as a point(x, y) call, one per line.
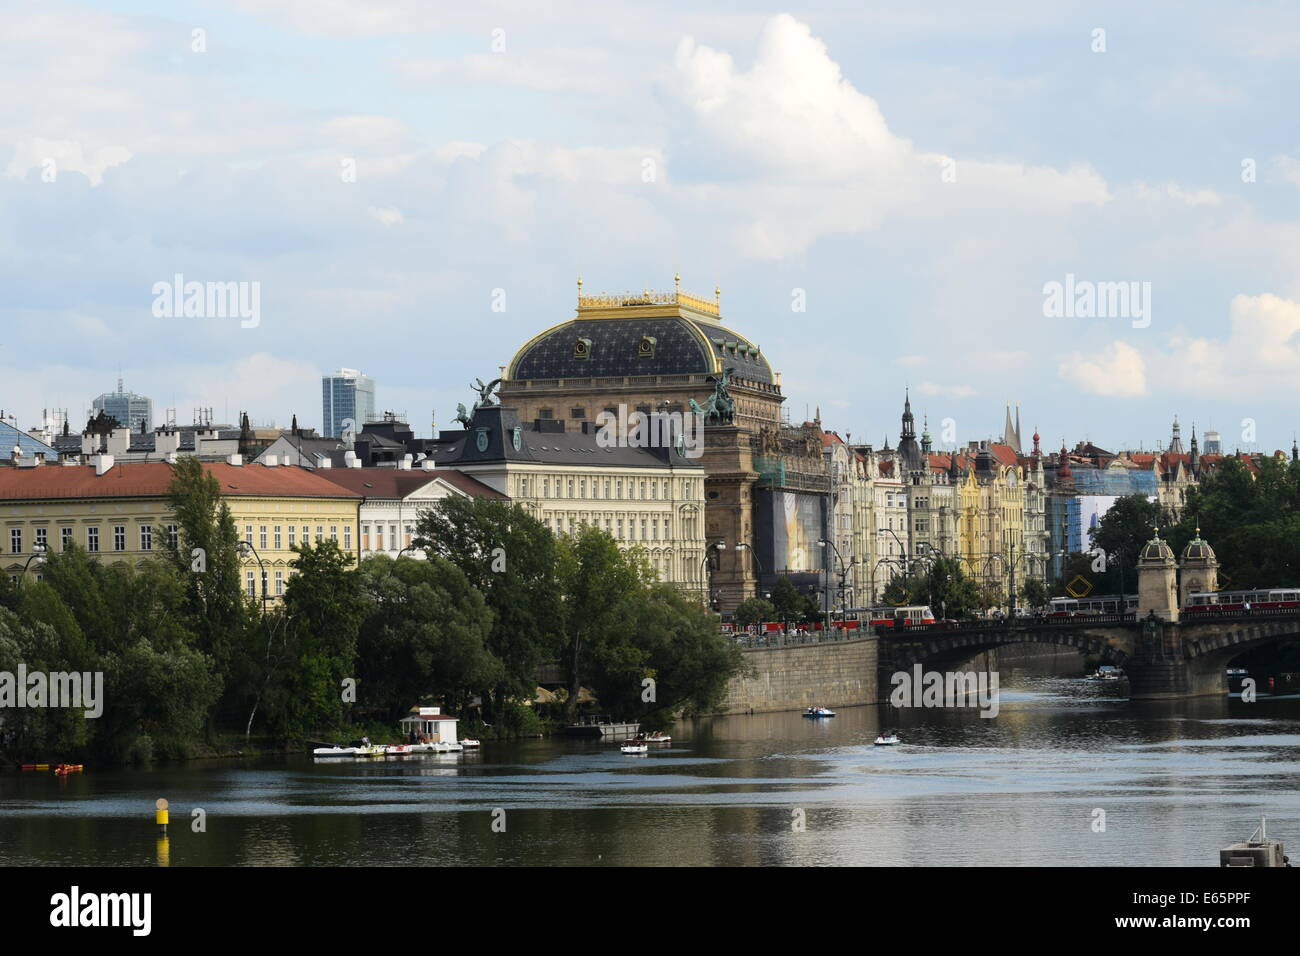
point(394, 498)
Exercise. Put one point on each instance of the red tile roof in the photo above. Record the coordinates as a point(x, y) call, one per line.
point(398, 483)
point(152, 479)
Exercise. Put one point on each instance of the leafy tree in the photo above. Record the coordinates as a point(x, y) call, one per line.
point(787, 600)
point(670, 641)
point(425, 635)
point(600, 585)
point(754, 611)
point(512, 559)
point(205, 557)
point(1034, 593)
point(304, 651)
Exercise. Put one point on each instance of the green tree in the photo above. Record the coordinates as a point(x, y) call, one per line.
point(425, 635)
point(787, 600)
point(512, 559)
point(600, 585)
point(753, 611)
point(1034, 593)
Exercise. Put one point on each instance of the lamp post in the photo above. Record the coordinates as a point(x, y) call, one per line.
point(37, 555)
point(742, 546)
point(244, 548)
point(827, 542)
point(706, 579)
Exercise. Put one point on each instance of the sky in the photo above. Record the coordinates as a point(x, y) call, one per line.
point(889, 196)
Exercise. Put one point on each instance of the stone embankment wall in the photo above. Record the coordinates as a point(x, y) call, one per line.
point(834, 674)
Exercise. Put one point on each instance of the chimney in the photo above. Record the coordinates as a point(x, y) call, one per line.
point(166, 442)
point(271, 461)
point(237, 460)
point(428, 465)
point(88, 443)
point(405, 463)
point(350, 460)
point(119, 441)
point(102, 463)
point(325, 461)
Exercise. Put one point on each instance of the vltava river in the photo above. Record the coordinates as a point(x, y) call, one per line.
point(1177, 782)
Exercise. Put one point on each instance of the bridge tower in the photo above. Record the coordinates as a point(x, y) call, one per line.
point(1157, 581)
point(1199, 569)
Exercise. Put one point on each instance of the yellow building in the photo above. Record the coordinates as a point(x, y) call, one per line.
point(119, 512)
point(991, 524)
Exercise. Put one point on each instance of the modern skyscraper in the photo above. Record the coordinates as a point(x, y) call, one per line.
point(347, 395)
point(131, 410)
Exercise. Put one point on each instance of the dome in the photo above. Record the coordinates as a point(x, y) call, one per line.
point(640, 334)
point(1156, 550)
point(1198, 551)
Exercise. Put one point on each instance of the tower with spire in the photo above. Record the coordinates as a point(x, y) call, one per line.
point(909, 452)
point(1010, 432)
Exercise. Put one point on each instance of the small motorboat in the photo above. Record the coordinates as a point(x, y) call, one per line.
point(658, 737)
point(888, 740)
point(334, 752)
point(469, 742)
point(635, 747)
point(399, 750)
point(819, 712)
point(369, 750)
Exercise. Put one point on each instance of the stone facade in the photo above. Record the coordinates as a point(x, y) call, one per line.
point(834, 674)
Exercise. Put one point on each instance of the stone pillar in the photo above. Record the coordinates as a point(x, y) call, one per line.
point(1157, 581)
point(729, 512)
point(1199, 570)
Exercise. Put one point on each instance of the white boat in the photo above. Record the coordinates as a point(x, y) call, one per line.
point(635, 747)
point(658, 737)
point(469, 742)
point(334, 752)
point(819, 712)
point(399, 750)
point(369, 750)
point(890, 740)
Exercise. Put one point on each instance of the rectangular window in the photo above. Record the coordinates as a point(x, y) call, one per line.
point(250, 584)
point(279, 582)
point(577, 413)
point(92, 540)
point(248, 534)
point(66, 535)
point(119, 537)
point(277, 538)
point(347, 537)
point(16, 541)
point(334, 533)
point(320, 533)
point(42, 540)
point(293, 535)
point(146, 537)
point(261, 538)
point(174, 537)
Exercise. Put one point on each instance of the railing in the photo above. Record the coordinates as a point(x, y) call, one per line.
point(1008, 624)
point(798, 639)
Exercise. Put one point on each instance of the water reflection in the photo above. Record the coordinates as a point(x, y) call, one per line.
point(1177, 780)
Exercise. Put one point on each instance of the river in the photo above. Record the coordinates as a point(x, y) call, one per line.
point(1177, 781)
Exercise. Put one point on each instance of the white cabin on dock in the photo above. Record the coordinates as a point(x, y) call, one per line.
point(437, 727)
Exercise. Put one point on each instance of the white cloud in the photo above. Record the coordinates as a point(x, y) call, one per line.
point(1117, 371)
point(65, 156)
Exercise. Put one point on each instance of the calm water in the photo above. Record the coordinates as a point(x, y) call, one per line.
point(1177, 781)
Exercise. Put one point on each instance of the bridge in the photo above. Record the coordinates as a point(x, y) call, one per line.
point(1162, 659)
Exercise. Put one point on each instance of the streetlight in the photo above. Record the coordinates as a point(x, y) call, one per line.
point(823, 543)
point(742, 546)
point(37, 555)
point(704, 571)
point(244, 548)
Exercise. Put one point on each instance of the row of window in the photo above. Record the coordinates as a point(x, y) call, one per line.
point(408, 534)
point(272, 537)
point(650, 528)
point(41, 539)
point(613, 488)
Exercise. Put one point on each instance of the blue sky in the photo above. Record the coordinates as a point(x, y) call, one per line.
point(919, 172)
